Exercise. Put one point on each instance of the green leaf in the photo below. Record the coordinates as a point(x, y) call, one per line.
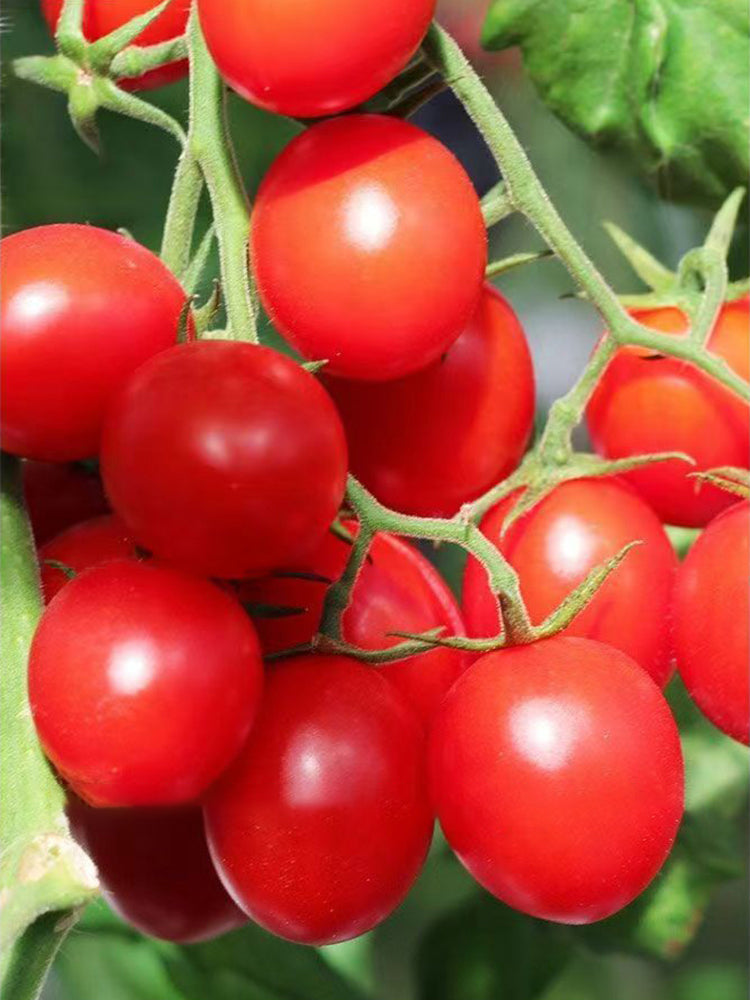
point(663, 82)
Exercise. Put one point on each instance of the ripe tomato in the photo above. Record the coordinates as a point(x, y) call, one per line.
point(581, 524)
point(143, 683)
point(155, 870)
point(711, 613)
point(397, 590)
point(59, 496)
point(102, 16)
point(88, 544)
point(427, 443)
point(225, 458)
point(645, 405)
point(312, 57)
point(322, 824)
point(399, 246)
point(557, 775)
point(82, 308)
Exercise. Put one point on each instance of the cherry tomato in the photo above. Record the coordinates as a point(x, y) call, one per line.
point(580, 525)
point(368, 246)
point(645, 404)
point(225, 458)
point(322, 824)
point(423, 455)
point(88, 544)
point(155, 870)
point(397, 590)
point(82, 308)
point(143, 683)
point(712, 607)
point(102, 16)
point(61, 495)
point(312, 57)
point(557, 775)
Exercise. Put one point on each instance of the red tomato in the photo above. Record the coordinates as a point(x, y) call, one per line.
point(398, 590)
point(580, 525)
point(312, 57)
point(712, 607)
point(648, 405)
point(557, 775)
point(225, 458)
point(368, 246)
point(321, 826)
point(155, 870)
point(102, 16)
point(59, 496)
point(427, 443)
point(82, 308)
point(88, 544)
point(143, 684)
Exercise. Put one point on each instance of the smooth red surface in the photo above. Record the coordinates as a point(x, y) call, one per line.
point(323, 823)
point(88, 544)
point(82, 308)
point(368, 246)
point(645, 405)
point(143, 684)
point(712, 607)
point(429, 442)
point(398, 590)
point(225, 458)
point(59, 495)
point(305, 58)
point(557, 775)
point(580, 525)
point(100, 17)
point(155, 870)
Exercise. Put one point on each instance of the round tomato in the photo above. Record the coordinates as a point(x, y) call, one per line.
point(322, 824)
point(557, 775)
point(82, 308)
point(368, 246)
point(225, 458)
point(100, 17)
point(312, 57)
point(427, 443)
point(646, 404)
point(578, 526)
point(143, 683)
point(712, 607)
point(88, 544)
point(60, 495)
point(155, 870)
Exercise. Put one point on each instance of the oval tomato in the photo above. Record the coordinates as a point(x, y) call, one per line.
point(312, 57)
point(88, 544)
point(322, 824)
point(645, 404)
point(399, 246)
point(225, 458)
point(60, 495)
point(430, 442)
point(578, 526)
point(82, 308)
point(557, 775)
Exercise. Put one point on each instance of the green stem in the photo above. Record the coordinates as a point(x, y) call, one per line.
point(182, 212)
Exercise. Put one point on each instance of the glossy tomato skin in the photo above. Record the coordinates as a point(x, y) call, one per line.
point(399, 246)
point(91, 543)
point(580, 525)
point(100, 17)
point(322, 824)
point(397, 590)
point(647, 405)
point(557, 776)
point(82, 308)
point(143, 684)
point(312, 57)
point(712, 608)
point(155, 870)
point(59, 495)
point(226, 458)
point(430, 442)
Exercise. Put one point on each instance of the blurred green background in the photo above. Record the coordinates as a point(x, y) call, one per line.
point(49, 176)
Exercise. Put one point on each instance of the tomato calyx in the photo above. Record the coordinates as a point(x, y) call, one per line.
point(727, 478)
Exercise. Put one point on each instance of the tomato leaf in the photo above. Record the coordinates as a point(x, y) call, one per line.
point(664, 82)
